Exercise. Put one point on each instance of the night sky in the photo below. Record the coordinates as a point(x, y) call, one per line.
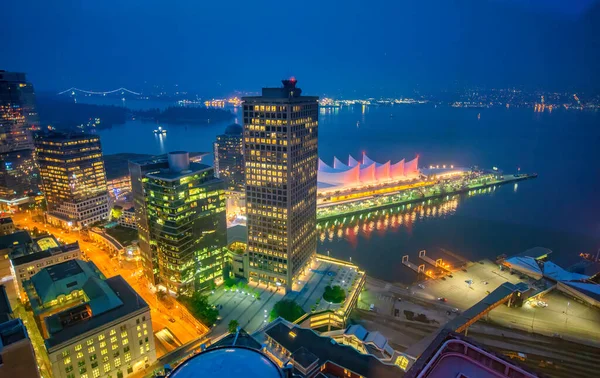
point(348, 48)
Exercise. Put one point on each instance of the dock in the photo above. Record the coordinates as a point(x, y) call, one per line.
point(416, 268)
point(325, 213)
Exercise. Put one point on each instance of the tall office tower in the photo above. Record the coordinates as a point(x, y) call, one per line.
point(73, 178)
point(280, 150)
point(18, 175)
point(229, 157)
point(137, 170)
point(185, 222)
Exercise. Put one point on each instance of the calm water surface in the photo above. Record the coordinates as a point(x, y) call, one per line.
point(558, 210)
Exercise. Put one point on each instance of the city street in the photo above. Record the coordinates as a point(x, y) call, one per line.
point(165, 313)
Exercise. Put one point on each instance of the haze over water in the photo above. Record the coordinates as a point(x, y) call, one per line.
point(558, 210)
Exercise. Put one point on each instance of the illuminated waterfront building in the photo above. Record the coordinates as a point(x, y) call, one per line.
point(73, 178)
point(183, 223)
point(92, 326)
point(18, 176)
point(229, 157)
point(281, 158)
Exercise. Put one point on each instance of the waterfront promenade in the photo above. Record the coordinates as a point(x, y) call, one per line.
point(333, 211)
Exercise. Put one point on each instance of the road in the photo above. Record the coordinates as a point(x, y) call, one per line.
point(166, 313)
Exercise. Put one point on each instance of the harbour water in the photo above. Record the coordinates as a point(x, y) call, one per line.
point(558, 210)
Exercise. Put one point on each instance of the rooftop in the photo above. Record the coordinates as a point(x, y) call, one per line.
point(56, 136)
point(226, 361)
point(326, 349)
point(49, 252)
point(169, 175)
point(128, 302)
point(15, 239)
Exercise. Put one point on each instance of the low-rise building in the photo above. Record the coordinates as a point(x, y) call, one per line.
point(17, 357)
point(13, 245)
point(48, 252)
point(6, 226)
point(92, 326)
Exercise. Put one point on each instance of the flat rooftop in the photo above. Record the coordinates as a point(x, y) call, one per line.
point(169, 175)
point(132, 303)
point(53, 251)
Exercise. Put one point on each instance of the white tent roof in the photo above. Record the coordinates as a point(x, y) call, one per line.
point(555, 272)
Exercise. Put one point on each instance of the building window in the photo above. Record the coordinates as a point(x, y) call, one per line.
point(117, 361)
point(65, 353)
point(94, 364)
point(113, 339)
point(125, 341)
point(90, 342)
point(126, 349)
point(104, 351)
point(96, 373)
point(127, 357)
point(67, 360)
point(129, 370)
point(91, 349)
point(78, 347)
point(124, 334)
point(69, 369)
point(79, 354)
point(106, 368)
point(101, 337)
point(93, 357)
point(82, 370)
point(113, 332)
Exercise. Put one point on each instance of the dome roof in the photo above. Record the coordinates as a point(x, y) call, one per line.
point(234, 129)
point(235, 361)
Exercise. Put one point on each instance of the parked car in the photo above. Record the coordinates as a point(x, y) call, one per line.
point(372, 307)
point(442, 299)
point(455, 310)
point(421, 286)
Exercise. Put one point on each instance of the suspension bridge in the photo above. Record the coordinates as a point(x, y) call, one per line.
point(122, 90)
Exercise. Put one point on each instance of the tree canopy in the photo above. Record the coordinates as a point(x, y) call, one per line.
point(287, 309)
point(334, 294)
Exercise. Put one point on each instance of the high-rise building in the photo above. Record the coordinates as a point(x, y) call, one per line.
point(73, 178)
point(18, 175)
point(280, 151)
point(181, 221)
point(92, 326)
point(229, 157)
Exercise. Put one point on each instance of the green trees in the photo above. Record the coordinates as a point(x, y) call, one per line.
point(287, 309)
point(233, 324)
point(334, 294)
point(200, 308)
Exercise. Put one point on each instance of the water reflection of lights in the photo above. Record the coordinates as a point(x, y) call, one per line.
point(382, 220)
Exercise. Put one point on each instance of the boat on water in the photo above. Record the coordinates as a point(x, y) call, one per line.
point(160, 130)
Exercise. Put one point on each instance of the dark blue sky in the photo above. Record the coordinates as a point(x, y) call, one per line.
point(333, 47)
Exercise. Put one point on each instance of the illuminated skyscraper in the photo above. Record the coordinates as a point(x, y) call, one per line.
point(280, 150)
point(229, 157)
point(18, 176)
point(73, 178)
point(183, 221)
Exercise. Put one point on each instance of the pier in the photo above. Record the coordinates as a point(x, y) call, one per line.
point(439, 263)
point(416, 268)
point(335, 210)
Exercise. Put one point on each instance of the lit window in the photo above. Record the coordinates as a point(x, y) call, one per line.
point(67, 360)
point(90, 342)
point(112, 332)
point(115, 346)
point(96, 372)
point(117, 361)
point(78, 347)
point(104, 351)
point(103, 344)
point(113, 339)
point(125, 341)
point(127, 356)
point(91, 349)
point(101, 337)
point(106, 368)
point(79, 354)
point(124, 334)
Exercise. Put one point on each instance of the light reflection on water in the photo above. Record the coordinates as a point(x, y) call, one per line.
point(349, 227)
